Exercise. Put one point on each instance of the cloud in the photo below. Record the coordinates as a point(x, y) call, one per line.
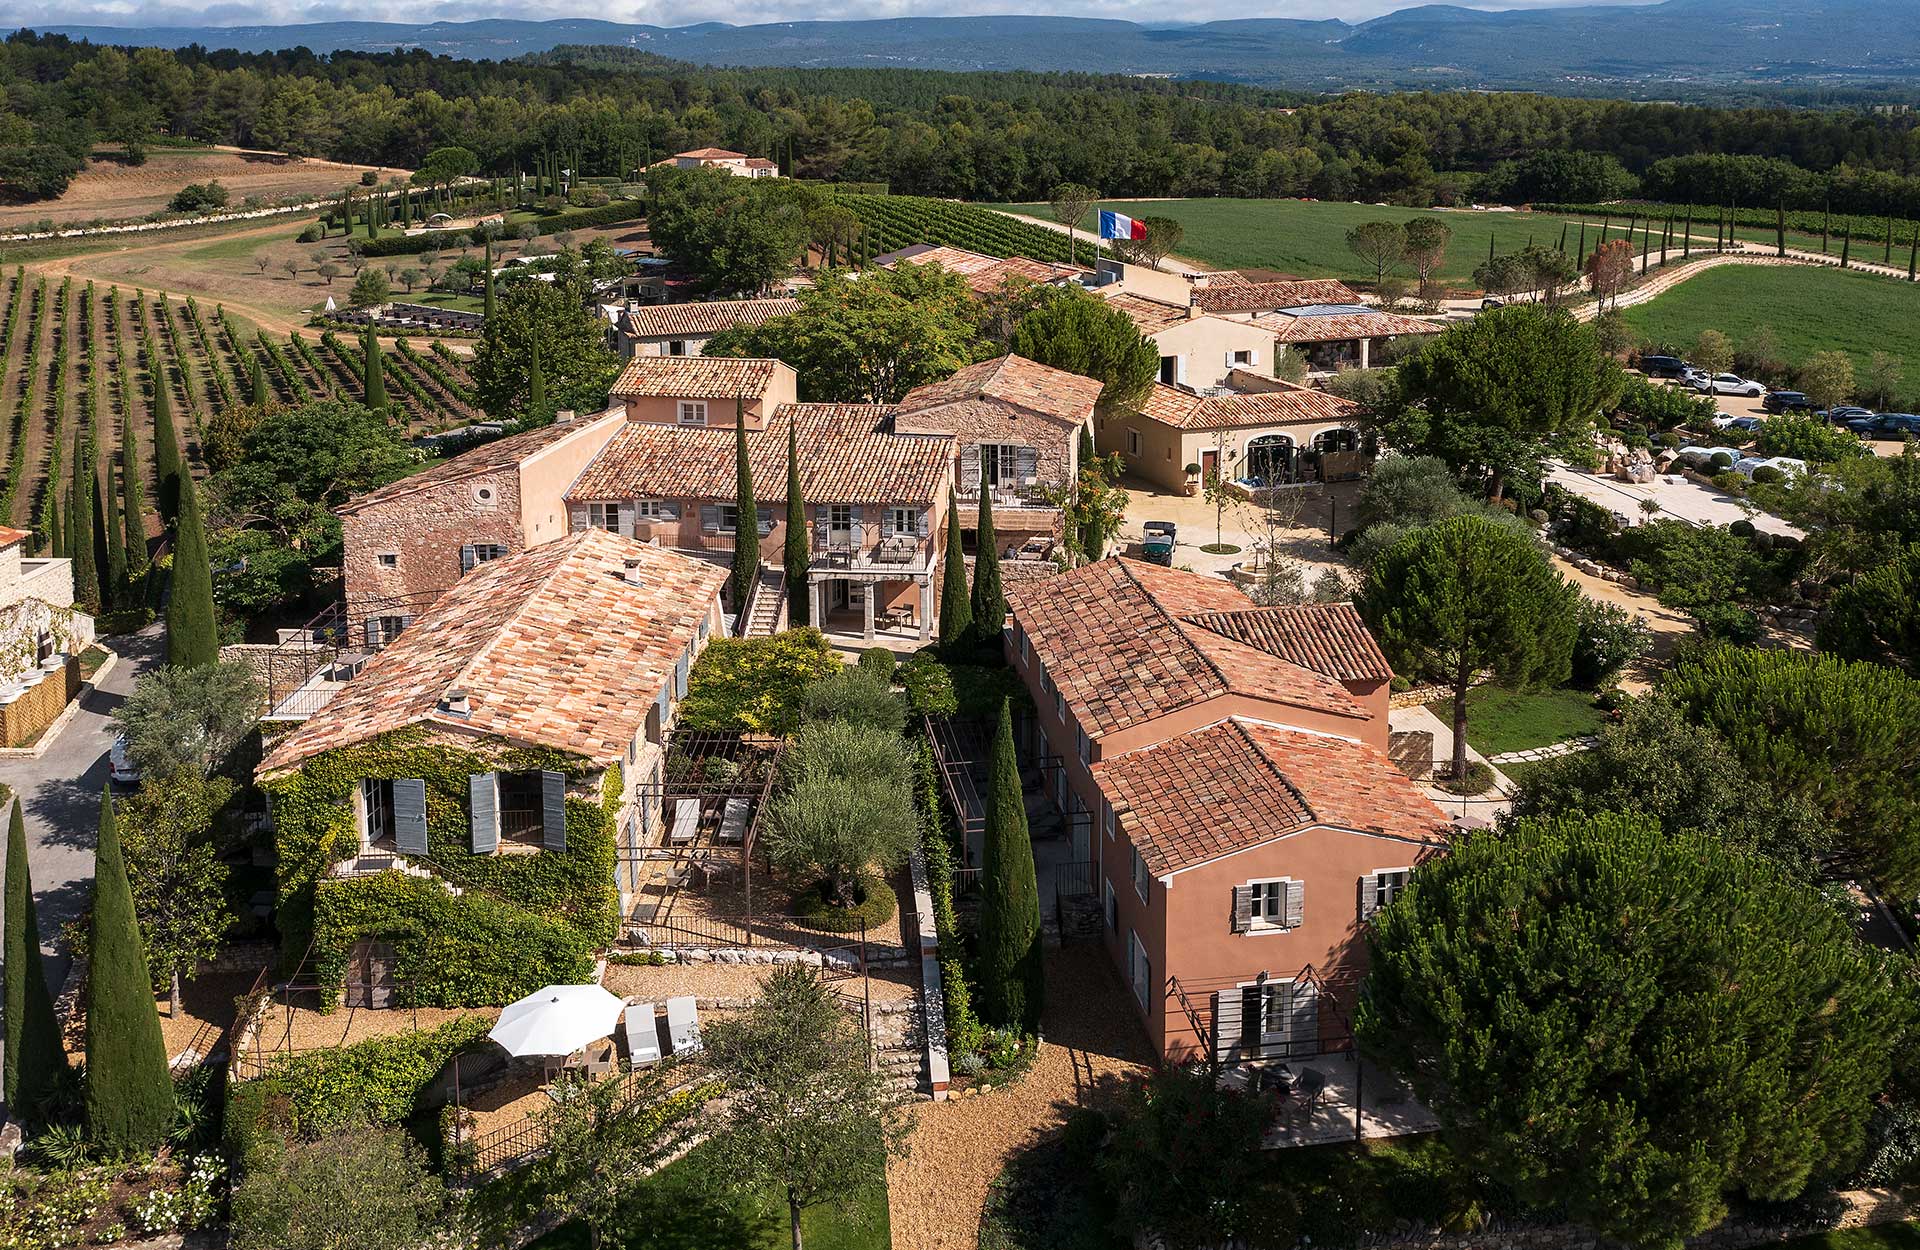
point(152, 13)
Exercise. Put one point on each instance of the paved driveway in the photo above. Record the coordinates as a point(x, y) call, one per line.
point(1688, 501)
point(60, 795)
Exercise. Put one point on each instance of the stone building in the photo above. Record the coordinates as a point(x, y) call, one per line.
point(684, 329)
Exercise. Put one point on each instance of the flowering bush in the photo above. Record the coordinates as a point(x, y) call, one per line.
point(190, 1206)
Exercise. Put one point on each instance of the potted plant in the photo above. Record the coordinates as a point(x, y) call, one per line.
point(1193, 478)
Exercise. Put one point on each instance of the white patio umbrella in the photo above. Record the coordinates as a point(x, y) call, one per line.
point(557, 1020)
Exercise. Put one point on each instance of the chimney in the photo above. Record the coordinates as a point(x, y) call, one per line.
point(630, 574)
point(563, 416)
point(457, 703)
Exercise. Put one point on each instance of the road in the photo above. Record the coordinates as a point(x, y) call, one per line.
point(60, 795)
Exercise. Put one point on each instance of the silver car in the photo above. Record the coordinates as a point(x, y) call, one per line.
point(1729, 384)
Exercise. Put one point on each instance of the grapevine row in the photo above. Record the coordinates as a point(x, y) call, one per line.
point(891, 222)
point(296, 386)
point(17, 462)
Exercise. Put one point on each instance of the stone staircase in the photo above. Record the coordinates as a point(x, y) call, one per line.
point(372, 863)
point(767, 606)
point(898, 1038)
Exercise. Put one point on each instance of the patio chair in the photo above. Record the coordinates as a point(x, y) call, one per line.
point(599, 1060)
point(1313, 1083)
point(643, 1035)
point(733, 822)
point(683, 1025)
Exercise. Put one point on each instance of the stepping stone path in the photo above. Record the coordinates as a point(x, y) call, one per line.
point(1553, 752)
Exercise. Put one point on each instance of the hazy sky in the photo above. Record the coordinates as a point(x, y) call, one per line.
point(679, 13)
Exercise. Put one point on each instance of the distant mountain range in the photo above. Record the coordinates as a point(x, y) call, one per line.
point(1630, 49)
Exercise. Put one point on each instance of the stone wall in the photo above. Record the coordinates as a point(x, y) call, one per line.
point(424, 530)
point(26, 715)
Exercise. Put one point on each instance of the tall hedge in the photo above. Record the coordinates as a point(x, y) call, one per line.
point(129, 1088)
point(798, 554)
point(35, 1059)
point(193, 637)
point(1012, 974)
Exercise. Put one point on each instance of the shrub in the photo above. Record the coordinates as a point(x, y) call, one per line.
point(1809, 439)
point(1721, 460)
point(378, 1081)
point(756, 684)
point(313, 233)
point(1608, 639)
point(1478, 779)
point(929, 686)
point(198, 197)
point(879, 663)
point(1767, 475)
point(1742, 528)
point(1729, 622)
point(873, 905)
point(855, 694)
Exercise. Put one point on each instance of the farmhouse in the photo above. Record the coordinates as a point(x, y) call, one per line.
point(1339, 336)
point(455, 819)
point(984, 274)
point(1282, 435)
point(1219, 765)
point(1196, 349)
point(1233, 296)
point(683, 329)
point(739, 164)
point(697, 391)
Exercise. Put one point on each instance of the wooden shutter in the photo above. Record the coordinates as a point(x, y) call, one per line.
point(886, 522)
point(1303, 1019)
point(1226, 1024)
point(410, 815)
point(467, 559)
point(969, 468)
point(1026, 463)
point(404, 622)
point(709, 518)
point(923, 522)
point(764, 517)
point(577, 517)
point(1295, 902)
point(662, 701)
point(1242, 908)
point(483, 808)
point(1255, 1011)
point(626, 519)
point(680, 677)
point(1253, 357)
point(1369, 895)
point(373, 632)
point(553, 810)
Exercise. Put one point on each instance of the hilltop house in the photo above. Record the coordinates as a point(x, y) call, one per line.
point(454, 824)
point(1197, 350)
point(702, 391)
point(1277, 436)
point(683, 329)
point(739, 164)
point(41, 637)
point(1219, 765)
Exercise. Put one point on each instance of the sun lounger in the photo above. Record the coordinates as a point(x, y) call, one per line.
point(733, 822)
point(643, 1035)
point(683, 1025)
point(686, 820)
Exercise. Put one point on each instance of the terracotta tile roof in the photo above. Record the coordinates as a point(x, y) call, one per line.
point(1335, 327)
point(695, 377)
point(1040, 389)
point(760, 162)
point(1183, 410)
point(1118, 638)
point(1240, 783)
point(502, 453)
point(1149, 316)
point(1244, 296)
point(710, 154)
point(702, 318)
point(9, 536)
point(981, 273)
point(848, 454)
point(553, 647)
point(1328, 638)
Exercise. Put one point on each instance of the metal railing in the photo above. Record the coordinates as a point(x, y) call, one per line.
point(871, 546)
point(1021, 495)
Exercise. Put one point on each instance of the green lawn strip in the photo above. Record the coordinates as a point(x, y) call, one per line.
point(1878, 1237)
point(1809, 309)
point(1500, 720)
point(681, 1208)
point(1518, 773)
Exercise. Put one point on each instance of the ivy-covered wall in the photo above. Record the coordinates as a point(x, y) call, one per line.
point(523, 920)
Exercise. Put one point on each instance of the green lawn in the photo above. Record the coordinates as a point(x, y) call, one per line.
point(1499, 720)
point(438, 299)
point(1810, 309)
point(681, 1209)
point(1879, 1237)
point(1309, 237)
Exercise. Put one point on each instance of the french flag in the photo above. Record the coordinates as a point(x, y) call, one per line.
point(1121, 226)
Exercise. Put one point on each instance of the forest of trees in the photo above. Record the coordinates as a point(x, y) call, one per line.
point(969, 136)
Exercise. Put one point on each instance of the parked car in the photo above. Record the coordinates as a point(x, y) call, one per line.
point(1787, 466)
point(1490, 303)
point(1729, 384)
point(1845, 413)
point(1663, 366)
point(1700, 459)
point(1157, 546)
point(1738, 425)
point(119, 766)
point(1887, 425)
point(1787, 401)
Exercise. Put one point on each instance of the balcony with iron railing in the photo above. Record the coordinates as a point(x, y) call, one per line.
point(871, 547)
point(1028, 493)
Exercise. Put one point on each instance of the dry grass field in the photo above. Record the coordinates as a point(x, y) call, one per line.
point(110, 190)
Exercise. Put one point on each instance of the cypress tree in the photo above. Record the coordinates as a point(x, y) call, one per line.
point(1489, 248)
point(746, 518)
point(114, 589)
point(166, 450)
point(1846, 246)
point(1780, 228)
point(1606, 223)
point(35, 1058)
point(956, 609)
point(486, 306)
point(56, 526)
point(1583, 242)
point(102, 549)
point(1886, 256)
point(1686, 237)
point(1913, 255)
point(1563, 238)
point(192, 639)
point(1012, 975)
point(132, 500)
point(258, 376)
point(989, 599)
point(129, 1089)
point(80, 528)
point(799, 602)
point(1826, 224)
point(376, 373)
point(536, 380)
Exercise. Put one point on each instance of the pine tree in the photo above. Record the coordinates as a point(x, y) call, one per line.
point(129, 1089)
point(989, 599)
point(746, 519)
point(35, 1058)
point(132, 500)
point(956, 609)
point(798, 553)
point(1012, 976)
point(166, 450)
point(80, 513)
point(258, 377)
point(376, 378)
point(536, 380)
point(193, 641)
point(115, 587)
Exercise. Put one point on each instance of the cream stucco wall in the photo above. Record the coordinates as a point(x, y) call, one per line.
point(1206, 347)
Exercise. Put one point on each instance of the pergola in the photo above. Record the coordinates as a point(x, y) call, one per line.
point(711, 793)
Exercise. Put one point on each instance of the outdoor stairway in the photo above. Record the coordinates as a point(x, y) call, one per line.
point(371, 863)
point(897, 1049)
point(767, 604)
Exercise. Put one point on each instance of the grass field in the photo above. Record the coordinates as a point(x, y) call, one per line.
point(1309, 237)
point(1499, 720)
point(1810, 309)
point(1878, 1237)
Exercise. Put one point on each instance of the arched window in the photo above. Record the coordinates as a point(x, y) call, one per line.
point(1271, 459)
point(1337, 440)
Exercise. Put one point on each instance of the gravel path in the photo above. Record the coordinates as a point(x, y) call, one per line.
point(1094, 1041)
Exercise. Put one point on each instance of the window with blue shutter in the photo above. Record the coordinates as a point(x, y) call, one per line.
point(680, 677)
point(483, 806)
point(466, 558)
point(553, 810)
point(659, 736)
point(410, 815)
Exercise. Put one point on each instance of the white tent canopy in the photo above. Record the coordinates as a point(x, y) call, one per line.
point(557, 1020)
